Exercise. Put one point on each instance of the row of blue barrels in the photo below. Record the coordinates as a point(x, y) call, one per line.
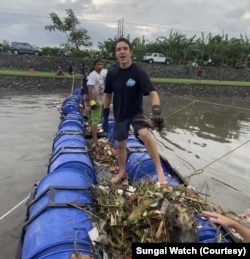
point(55, 227)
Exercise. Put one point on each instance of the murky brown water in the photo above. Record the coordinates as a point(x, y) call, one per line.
point(27, 128)
point(209, 134)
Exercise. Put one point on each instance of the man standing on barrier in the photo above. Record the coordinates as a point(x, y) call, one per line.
point(126, 85)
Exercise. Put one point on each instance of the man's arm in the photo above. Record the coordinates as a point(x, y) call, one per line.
point(107, 100)
point(154, 97)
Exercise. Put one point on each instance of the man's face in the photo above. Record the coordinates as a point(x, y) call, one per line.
point(123, 53)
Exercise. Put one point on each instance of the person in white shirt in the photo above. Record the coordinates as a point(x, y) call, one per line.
point(104, 72)
point(96, 86)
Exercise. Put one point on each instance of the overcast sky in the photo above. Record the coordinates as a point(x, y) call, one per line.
point(24, 20)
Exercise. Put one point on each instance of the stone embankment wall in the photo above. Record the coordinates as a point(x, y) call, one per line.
point(11, 84)
point(65, 85)
point(51, 63)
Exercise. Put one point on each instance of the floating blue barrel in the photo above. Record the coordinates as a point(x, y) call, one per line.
point(77, 93)
point(73, 142)
point(70, 125)
point(74, 116)
point(140, 166)
point(73, 157)
point(70, 122)
point(54, 227)
point(69, 139)
point(70, 128)
point(70, 106)
point(207, 232)
point(71, 98)
point(64, 179)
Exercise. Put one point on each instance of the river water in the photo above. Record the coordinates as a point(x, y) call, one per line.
point(208, 138)
point(211, 135)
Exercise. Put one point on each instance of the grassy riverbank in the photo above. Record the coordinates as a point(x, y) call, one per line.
point(7, 72)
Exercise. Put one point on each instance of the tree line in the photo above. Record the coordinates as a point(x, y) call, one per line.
point(216, 50)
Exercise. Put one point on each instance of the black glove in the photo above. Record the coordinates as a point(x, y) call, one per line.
point(105, 118)
point(93, 105)
point(157, 119)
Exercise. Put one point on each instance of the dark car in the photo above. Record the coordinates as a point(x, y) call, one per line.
point(24, 48)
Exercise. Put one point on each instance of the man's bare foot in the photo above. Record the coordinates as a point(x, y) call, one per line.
point(164, 183)
point(118, 178)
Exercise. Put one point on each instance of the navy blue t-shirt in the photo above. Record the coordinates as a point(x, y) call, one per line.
point(128, 87)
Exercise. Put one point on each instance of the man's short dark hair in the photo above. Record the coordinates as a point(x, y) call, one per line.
point(126, 41)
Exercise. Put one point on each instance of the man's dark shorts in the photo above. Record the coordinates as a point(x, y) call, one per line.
point(121, 128)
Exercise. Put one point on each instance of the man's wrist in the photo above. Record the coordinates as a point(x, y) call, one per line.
point(156, 109)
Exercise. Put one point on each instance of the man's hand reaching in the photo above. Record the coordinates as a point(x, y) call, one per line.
point(157, 118)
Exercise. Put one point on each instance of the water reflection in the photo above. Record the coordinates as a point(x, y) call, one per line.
point(220, 123)
point(211, 135)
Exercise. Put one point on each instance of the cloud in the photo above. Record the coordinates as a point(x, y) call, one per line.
point(24, 20)
point(246, 16)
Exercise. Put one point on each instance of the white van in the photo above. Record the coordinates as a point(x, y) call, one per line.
point(156, 58)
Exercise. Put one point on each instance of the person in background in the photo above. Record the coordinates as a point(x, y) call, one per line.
point(70, 68)
point(31, 70)
point(59, 71)
point(227, 222)
point(95, 92)
point(83, 68)
point(85, 93)
point(104, 72)
point(199, 74)
point(126, 84)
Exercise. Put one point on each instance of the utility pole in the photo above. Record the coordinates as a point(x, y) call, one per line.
point(120, 27)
